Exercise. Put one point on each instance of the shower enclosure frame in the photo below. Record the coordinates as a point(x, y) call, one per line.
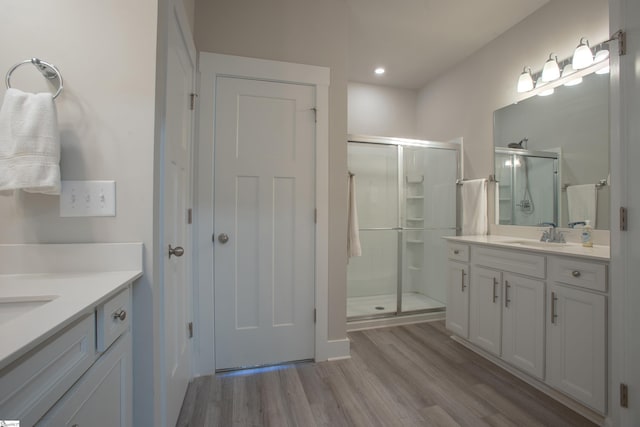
point(556, 178)
point(401, 143)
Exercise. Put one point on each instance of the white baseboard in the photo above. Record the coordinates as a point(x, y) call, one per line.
point(334, 350)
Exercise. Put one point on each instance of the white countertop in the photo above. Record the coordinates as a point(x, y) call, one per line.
point(76, 295)
point(597, 252)
point(76, 278)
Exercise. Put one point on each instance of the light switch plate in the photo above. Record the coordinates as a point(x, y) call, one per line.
point(88, 198)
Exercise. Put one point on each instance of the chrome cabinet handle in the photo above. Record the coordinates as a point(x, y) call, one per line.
point(575, 273)
point(506, 293)
point(495, 287)
point(177, 251)
point(223, 238)
point(554, 300)
point(462, 280)
point(120, 315)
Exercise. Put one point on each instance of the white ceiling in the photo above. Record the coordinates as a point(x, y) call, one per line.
point(416, 40)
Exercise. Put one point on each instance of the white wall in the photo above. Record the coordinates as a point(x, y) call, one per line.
point(461, 102)
point(381, 111)
point(305, 32)
point(106, 52)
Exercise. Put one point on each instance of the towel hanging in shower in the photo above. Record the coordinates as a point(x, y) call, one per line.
point(353, 236)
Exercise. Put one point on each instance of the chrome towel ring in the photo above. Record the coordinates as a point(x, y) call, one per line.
point(49, 71)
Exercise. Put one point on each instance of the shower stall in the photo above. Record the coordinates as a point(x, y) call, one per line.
point(528, 186)
point(406, 201)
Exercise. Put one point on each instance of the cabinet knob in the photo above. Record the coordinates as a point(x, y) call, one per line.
point(120, 315)
point(575, 273)
point(456, 252)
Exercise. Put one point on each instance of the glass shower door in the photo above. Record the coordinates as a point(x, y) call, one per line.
point(373, 277)
point(428, 213)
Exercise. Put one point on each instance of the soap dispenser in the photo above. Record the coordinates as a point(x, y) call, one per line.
point(586, 236)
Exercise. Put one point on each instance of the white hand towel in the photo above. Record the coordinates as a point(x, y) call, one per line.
point(582, 201)
point(474, 207)
point(29, 143)
point(353, 238)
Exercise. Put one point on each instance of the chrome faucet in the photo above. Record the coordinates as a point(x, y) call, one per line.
point(552, 235)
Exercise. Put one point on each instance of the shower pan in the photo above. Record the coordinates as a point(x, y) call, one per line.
point(406, 201)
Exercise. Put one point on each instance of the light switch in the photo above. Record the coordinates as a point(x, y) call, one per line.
point(88, 198)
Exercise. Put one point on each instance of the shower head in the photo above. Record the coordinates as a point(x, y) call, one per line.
point(518, 145)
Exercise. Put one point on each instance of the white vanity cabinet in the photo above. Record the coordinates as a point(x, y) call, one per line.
point(102, 397)
point(539, 313)
point(523, 323)
point(485, 310)
point(457, 319)
point(576, 330)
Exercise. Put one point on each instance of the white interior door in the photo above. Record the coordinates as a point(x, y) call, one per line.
point(176, 359)
point(264, 193)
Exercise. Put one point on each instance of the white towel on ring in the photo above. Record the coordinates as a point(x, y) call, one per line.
point(474, 207)
point(29, 143)
point(353, 236)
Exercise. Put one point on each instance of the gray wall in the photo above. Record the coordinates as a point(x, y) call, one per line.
point(306, 32)
point(106, 52)
point(381, 111)
point(461, 101)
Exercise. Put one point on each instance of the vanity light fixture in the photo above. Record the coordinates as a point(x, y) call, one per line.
point(567, 71)
point(525, 81)
point(582, 56)
point(551, 70)
point(379, 71)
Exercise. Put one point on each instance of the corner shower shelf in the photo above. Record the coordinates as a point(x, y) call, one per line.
point(415, 197)
point(415, 219)
point(415, 242)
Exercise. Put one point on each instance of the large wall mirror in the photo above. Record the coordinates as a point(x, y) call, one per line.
point(552, 157)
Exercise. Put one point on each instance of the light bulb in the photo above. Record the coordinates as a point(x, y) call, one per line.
point(567, 71)
point(525, 81)
point(551, 70)
point(582, 56)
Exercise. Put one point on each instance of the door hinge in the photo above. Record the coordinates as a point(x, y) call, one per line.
point(315, 216)
point(624, 395)
point(623, 218)
point(190, 327)
point(192, 101)
point(315, 315)
point(189, 216)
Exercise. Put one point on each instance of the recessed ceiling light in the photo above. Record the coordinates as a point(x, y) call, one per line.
point(379, 71)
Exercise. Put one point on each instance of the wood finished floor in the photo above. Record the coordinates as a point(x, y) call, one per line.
point(399, 376)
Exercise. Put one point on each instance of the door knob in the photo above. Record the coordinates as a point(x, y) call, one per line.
point(223, 238)
point(177, 251)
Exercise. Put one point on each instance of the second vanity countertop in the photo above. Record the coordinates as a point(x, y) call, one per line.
point(45, 288)
point(597, 252)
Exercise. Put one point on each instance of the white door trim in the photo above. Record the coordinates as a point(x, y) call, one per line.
point(211, 66)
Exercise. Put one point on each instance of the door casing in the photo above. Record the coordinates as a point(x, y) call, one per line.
point(210, 67)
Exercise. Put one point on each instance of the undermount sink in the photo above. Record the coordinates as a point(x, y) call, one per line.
point(12, 307)
point(537, 243)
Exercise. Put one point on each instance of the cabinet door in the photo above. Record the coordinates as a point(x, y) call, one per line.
point(102, 397)
point(523, 324)
point(485, 309)
point(576, 326)
point(458, 299)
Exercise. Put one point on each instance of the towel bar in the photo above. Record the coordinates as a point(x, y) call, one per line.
point(49, 71)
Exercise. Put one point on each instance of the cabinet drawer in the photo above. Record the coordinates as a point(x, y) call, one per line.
point(578, 273)
point(29, 387)
point(512, 261)
point(114, 318)
point(459, 252)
